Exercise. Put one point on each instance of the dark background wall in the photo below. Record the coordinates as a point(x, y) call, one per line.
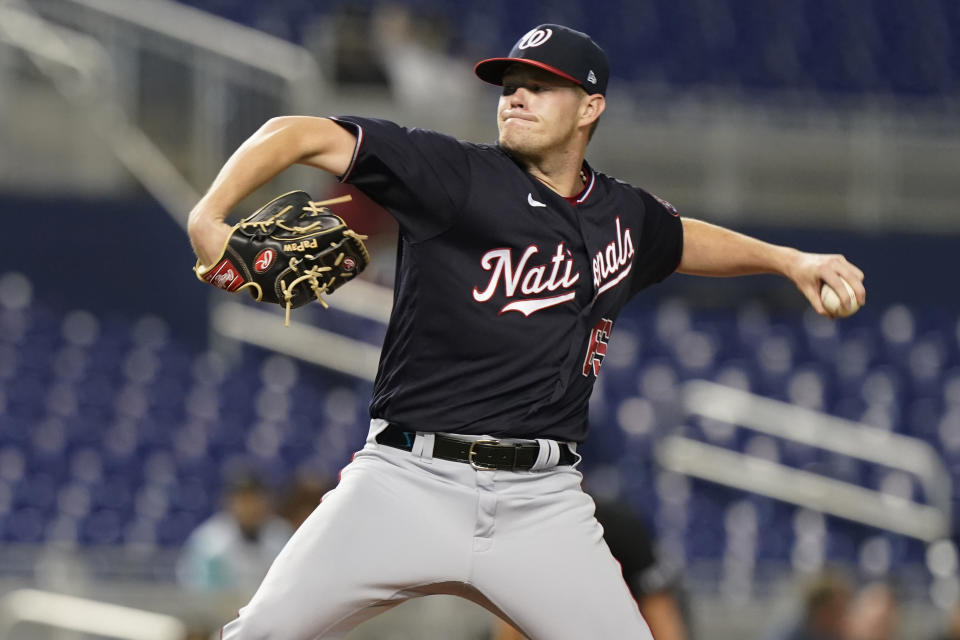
point(108, 257)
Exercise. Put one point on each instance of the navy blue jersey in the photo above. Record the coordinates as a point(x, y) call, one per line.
point(506, 292)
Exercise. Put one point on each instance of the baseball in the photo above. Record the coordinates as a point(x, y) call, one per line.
point(834, 305)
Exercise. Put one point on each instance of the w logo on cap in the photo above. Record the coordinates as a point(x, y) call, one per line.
point(592, 77)
point(534, 38)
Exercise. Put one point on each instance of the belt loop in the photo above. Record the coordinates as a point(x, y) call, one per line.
point(548, 456)
point(423, 446)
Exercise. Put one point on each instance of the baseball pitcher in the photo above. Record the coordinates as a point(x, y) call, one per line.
point(515, 259)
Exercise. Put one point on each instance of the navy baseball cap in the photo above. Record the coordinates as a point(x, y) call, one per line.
point(561, 50)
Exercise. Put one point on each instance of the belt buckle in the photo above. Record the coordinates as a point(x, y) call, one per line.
point(471, 453)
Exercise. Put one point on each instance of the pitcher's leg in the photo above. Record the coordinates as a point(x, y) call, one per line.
point(550, 570)
point(383, 530)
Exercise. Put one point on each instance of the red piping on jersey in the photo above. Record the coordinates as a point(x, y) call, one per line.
point(584, 193)
point(356, 149)
point(589, 190)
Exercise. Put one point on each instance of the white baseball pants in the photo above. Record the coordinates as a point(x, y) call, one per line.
point(523, 544)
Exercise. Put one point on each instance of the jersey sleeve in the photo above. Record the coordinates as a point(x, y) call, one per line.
point(420, 177)
point(661, 242)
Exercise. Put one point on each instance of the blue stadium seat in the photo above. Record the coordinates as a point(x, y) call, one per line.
point(54, 466)
point(37, 491)
point(146, 468)
point(101, 527)
point(25, 525)
point(113, 493)
point(922, 418)
point(859, 47)
point(173, 529)
point(925, 363)
point(190, 495)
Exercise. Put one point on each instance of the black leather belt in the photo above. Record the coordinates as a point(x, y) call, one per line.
point(485, 455)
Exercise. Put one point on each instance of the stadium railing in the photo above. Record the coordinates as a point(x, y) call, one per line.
point(688, 456)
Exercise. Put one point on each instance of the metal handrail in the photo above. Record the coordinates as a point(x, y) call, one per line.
point(789, 422)
point(85, 616)
point(80, 67)
point(212, 33)
point(257, 326)
point(76, 64)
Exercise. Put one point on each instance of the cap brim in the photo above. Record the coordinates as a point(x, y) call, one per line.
point(492, 69)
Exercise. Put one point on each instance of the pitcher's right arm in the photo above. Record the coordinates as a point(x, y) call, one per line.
point(278, 144)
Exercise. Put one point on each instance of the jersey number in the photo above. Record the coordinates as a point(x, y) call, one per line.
point(597, 347)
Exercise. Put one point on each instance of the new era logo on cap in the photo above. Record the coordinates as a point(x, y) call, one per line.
point(561, 50)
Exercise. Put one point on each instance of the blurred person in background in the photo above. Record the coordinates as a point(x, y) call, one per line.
point(415, 52)
point(232, 550)
point(826, 603)
point(874, 614)
point(654, 583)
point(952, 631)
point(356, 60)
point(301, 497)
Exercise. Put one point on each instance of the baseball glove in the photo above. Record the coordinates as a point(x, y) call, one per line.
point(291, 251)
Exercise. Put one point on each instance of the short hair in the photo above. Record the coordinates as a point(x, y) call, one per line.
point(244, 480)
point(824, 589)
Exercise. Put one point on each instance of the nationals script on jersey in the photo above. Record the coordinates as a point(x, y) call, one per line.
point(537, 290)
point(506, 292)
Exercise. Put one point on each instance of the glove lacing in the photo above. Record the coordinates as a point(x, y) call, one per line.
point(312, 277)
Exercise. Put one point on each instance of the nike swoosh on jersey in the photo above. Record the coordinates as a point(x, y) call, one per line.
point(532, 202)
